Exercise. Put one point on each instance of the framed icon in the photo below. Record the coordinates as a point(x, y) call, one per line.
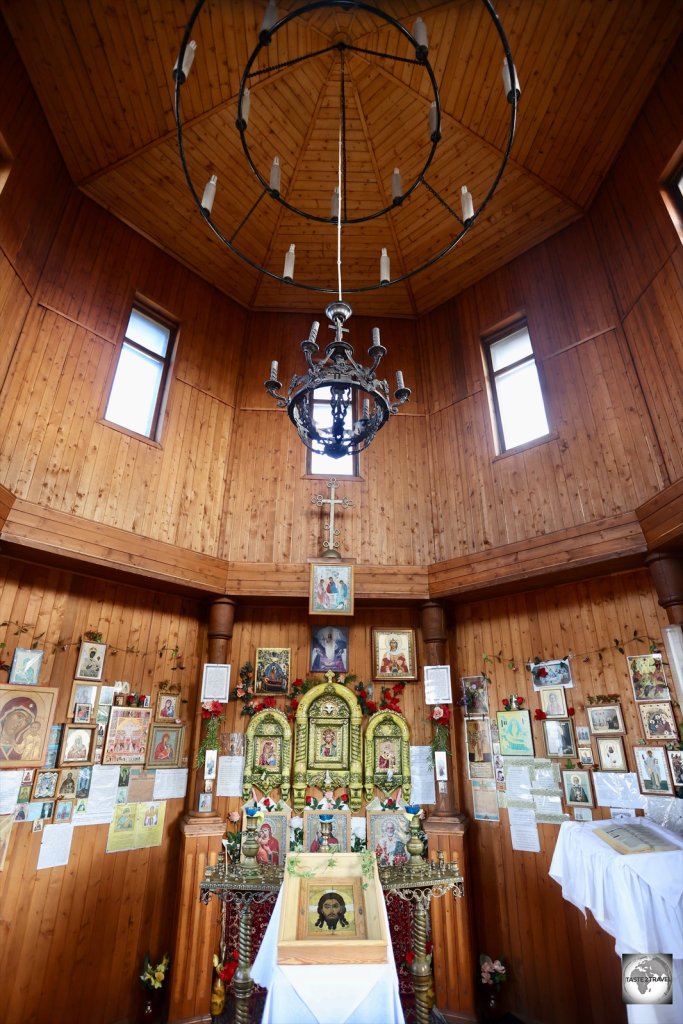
point(553, 701)
point(606, 719)
point(514, 733)
point(272, 670)
point(611, 754)
point(559, 738)
point(393, 655)
point(25, 721)
point(25, 666)
point(658, 721)
point(331, 589)
point(577, 788)
point(165, 746)
point(653, 770)
point(78, 745)
point(90, 661)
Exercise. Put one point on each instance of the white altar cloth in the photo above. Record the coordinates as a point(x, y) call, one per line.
point(325, 993)
point(637, 898)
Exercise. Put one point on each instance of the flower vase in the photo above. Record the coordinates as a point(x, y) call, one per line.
point(217, 996)
point(491, 1008)
point(149, 1013)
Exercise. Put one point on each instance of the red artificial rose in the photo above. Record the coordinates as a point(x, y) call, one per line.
point(344, 798)
point(372, 706)
point(543, 672)
point(298, 682)
point(539, 715)
point(410, 956)
point(390, 802)
point(570, 712)
point(309, 799)
point(295, 704)
point(362, 693)
point(520, 700)
point(266, 802)
point(206, 713)
point(269, 702)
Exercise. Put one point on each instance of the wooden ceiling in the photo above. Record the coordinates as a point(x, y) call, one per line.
point(102, 72)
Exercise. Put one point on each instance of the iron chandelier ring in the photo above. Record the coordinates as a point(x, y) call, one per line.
point(421, 60)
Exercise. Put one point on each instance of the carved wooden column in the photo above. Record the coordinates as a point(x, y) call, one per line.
point(455, 959)
point(197, 935)
point(666, 569)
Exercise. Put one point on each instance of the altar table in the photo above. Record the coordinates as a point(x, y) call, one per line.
point(325, 993)
point(637, 898)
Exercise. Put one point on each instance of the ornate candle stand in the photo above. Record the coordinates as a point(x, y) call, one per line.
point(325, 832)
point(419, 882)
point(243, 885)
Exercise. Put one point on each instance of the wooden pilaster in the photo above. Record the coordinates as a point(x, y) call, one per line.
point(198, 926)
point(454, 955)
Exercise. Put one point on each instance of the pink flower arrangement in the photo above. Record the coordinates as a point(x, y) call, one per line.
point(492, 971)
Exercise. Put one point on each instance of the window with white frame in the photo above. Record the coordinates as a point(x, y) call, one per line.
point(516, 394)
point(138, 391)
point(324, 465)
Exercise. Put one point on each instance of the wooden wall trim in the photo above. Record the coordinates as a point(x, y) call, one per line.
point(100, 546)
point(6, 502)
point(605, 545)
point(661, 518)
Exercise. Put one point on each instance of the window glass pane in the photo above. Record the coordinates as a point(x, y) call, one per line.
point(134, 393)
point(521, 405)
point(511, 349)
point(323, 464)
point(148, 333)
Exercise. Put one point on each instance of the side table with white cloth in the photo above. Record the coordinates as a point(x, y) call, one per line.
point(325, 993)
point(637, 898)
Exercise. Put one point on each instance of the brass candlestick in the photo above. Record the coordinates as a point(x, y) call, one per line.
point(250, 848)
point(325, 832)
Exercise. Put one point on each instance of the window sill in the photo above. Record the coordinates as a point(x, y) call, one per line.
point(130, 433)
point(341, 478)
point(521, 448)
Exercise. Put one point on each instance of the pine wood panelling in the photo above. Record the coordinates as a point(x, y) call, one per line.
point(105, 84)
point(98, 916)
point(661, 518)
point(14, 304)
point(633, 228)
point(34, 195)
point(518, 910)
point(654, 329)
point(579, 551)
point(72, 537)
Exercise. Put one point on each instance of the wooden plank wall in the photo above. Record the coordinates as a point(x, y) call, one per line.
point(602, 457)
point(269, 516)
point(56, 450)
point(642, 253)
point(519, 911)
point(95, 919)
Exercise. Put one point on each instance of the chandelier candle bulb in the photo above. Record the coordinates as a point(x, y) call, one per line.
point(246, 106)
point(433, 127)
point(209, 194)
point(289, 264)
point(275, 175)
point(375, 330)
point(366, 408)
point(273, 370)
point(467, 204)
point(313, 334)
point(269, 18)
point(334, 205)
point(420, 33)
point(384, 268)
point(396, 185)
point(188, 58)
point(399, 380)
point(507, 84)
